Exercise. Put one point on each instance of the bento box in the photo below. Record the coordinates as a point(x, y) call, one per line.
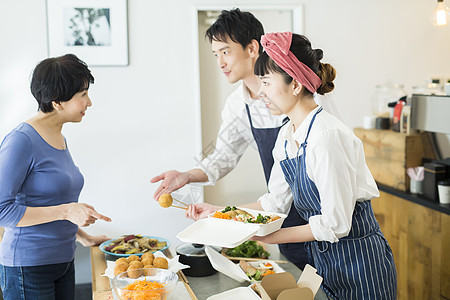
point(266, 221)
point(218, 232)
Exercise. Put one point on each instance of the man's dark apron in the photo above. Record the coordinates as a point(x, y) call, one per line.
point(265, 139)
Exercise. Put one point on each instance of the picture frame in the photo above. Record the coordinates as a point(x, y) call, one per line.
point(94, 30)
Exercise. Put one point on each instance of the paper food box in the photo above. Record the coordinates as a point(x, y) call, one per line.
point(228, 233)
point(263, 229)
point(282, 286)
point(227, 267)
point(278, 286)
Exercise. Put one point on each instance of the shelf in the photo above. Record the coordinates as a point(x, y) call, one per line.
point(444, 208)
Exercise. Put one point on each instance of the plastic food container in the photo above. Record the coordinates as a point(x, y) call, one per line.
point(168, 278)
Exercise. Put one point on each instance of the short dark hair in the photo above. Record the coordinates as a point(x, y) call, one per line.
point(242, 27)
point(59, 79)
point(302, 49)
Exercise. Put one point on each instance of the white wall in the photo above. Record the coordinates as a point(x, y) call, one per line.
point(144, 117)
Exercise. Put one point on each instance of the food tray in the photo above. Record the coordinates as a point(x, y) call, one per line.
point(213, 232)
point(264, 229)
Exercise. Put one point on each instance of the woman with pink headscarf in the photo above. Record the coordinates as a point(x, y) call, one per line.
point(323, 163)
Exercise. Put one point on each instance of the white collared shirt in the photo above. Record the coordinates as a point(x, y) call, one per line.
point(335, 162)
point(235, 133)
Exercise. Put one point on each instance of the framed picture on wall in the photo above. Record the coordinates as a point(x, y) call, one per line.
point(94, 30)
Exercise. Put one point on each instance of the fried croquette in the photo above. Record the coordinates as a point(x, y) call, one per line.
point(133, 258)
point(136, 263)
point(165, 200)
point(160, 262)
point(120, 268)
point(147, 255)
point(134, 271)
point(122, 259)
point(147, 261)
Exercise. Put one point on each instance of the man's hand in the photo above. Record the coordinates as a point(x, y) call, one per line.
point(171, 181)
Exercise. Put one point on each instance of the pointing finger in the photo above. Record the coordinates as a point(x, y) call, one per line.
point(100, 216)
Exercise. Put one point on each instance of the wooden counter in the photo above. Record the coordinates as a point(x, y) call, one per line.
point(101, 289)
point(419, 235)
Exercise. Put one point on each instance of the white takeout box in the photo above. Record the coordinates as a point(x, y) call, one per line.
point(227, 267)
point(228, 233)
point(211, 231)
point(264, 229)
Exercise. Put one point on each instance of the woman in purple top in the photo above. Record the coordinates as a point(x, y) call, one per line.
point(40, 186)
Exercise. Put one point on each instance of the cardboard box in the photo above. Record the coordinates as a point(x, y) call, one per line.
point(282, 286)
point(388, 154)
point(278, 286)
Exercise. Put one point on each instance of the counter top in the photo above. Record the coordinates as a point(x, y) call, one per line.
point(418, 199)
point(198, 287)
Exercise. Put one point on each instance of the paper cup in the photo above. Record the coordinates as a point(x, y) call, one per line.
point(416, 187)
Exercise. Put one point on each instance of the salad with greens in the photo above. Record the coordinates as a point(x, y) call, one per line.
point(248, 249)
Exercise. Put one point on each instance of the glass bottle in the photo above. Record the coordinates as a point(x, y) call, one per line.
point(383, 95)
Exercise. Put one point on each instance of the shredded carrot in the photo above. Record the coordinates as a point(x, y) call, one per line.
point(142, 290)
point(268, 264)
point(221, 215)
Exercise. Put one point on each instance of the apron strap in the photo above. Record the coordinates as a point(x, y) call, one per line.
point(248, 114)
point(303, 145)
point(309, 128)
point(305, 142)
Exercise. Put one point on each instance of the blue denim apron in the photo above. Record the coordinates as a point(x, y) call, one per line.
point(358, 266)
point(265, 139)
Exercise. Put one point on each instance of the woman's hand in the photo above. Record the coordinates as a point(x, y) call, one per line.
point(171, 180)
point(265, 239)
point(90, 240)
point(200, 210)
point(82, 214)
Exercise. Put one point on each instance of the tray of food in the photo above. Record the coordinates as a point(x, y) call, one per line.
point(133, 244)
point(267, 222)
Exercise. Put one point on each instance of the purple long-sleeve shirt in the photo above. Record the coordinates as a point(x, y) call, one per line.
point(35, 174)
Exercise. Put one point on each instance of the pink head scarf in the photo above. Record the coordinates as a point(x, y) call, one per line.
point(277, 47)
